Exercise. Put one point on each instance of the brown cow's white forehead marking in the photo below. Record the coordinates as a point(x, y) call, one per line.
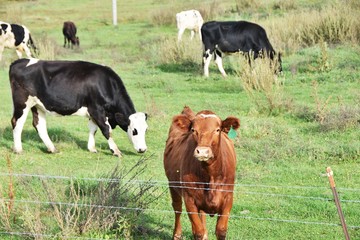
point(208, 115)
point(32, 61)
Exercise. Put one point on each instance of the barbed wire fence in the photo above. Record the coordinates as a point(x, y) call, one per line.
point(238, 190)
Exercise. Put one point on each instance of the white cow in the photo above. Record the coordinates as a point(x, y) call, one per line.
point(190, 19)
point(15, 36)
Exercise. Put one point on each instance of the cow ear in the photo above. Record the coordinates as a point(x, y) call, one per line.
point(230, 122)
point(181, 122)
point(122, 120)
point(188, 112)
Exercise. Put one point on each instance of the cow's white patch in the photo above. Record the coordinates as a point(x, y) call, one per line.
point(92, 130)
point(83, 112)
point(32, 61)
point(136, 131)
point(208, 115)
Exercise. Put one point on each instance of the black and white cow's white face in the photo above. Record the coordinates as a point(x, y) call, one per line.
point(136, 131)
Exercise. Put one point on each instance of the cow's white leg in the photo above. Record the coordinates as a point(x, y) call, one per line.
point(19, 53)
point(92, 130)
point(199, 31)
point(27, 51)
point(206, 61)
point(218, 61)
point(19, 125)
point(40, 124)
point(180, 33)
point(1, 51)
point(112, 145)
point(192, 34)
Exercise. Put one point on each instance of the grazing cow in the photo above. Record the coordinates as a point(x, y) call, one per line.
point(69, 31)
point(16, 36)
point(231, 37)
point(73, 88)
point(190, 19)
point(200, 162)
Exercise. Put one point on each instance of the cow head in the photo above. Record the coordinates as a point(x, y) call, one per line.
point(136, 127)
point(206, 129)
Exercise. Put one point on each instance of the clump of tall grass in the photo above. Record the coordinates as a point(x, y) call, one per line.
point(186, 55)
point(260, 82)
point(47, 48)
point(332, 24)
point(110, 205)
point(208, 11)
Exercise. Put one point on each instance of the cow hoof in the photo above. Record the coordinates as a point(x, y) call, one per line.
point(117, 153)
point(93, 150)
point(17, 151)
point(52, 150)
point(177, 237)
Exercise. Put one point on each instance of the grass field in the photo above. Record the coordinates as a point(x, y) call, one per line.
point(282, 149)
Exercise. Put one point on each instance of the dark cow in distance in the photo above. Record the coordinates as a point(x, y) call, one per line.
point(69, 31)
point(73, 88)
point(231, 37)
point(200, 163)
point(18, 37)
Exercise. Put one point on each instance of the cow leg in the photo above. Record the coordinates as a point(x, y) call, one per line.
point(39, 122)
point(177, 206)
point(195, 219)
point(203, 220)
point(180, 33)
point(1, 51)
point(19, 53)
point(223, 218)
point(221, 227)
point(98, 116)
point(192, 33)
point(218, 61)
point(64, 41)
point(199, 32)
point(18, 121)
point(206, 61)
point(92, 130)
point(27, 51)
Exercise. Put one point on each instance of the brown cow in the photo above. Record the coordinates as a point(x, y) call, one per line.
point(69, 31)
point(200, 162)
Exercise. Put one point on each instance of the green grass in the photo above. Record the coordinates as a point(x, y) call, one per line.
point(281, 157)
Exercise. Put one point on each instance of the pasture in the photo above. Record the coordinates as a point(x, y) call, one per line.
point(307, 119)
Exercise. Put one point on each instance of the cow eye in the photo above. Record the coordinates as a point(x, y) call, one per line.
point(218, 130)
point(135, 132)
point(192, 129)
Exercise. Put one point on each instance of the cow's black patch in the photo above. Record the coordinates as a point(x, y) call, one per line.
point(3, 28)
point(135, 132)
point(19, 33)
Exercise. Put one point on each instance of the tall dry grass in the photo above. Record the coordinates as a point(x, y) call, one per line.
point(333, 24)
point(263, 86)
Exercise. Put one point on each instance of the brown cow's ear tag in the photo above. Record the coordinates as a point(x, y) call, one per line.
point(232, 133)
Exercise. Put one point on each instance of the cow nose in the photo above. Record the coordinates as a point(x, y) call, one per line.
point(141, 150)
point(203, 153)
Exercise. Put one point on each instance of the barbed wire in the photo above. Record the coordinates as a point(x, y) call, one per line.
point(172, 212)
point(166, 183)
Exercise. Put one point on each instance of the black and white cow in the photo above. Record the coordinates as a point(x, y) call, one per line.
point(231, 37)
point(16, 36)
point(73, 88)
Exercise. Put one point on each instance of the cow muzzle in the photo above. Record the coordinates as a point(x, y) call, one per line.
point(203, 153)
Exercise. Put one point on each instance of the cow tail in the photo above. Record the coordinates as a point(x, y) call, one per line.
point(32, 45)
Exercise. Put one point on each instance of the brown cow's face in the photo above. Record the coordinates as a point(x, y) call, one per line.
point(206, 129)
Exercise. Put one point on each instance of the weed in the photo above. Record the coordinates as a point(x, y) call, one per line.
point(261, 84)
point(322, 107)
